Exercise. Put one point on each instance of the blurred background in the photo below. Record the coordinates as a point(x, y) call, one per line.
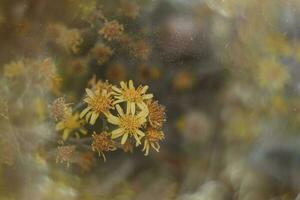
point(227, 72)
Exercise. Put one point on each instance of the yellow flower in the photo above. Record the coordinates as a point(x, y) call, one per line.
point(102, 143)
point(129, 124)
point(128, 93)
point(98, 102)
point(70, 123)
point(152, 138)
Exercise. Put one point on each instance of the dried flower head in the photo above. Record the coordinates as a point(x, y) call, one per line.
point(141, 50)
point(153, 136)
point(59, 108)
point(112, 30)
point(102, 53)
point(157, 115)
point(64, 154)
point(102, 143)
point(131, 95)
point(98, 102)
point(129, 8)
point(129, 123)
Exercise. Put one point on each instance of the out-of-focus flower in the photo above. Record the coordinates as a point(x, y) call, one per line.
point(271, 75)
point(96, 15)
point(152, 139)
point(69, 39)
point(111, 30)
point(102, 53)
point(157, 115)
point(146, 73)
point(14, 69)
point(196, 126)
point(98, 102)
point(141, 50)
point(59, 109)
point(131, 95)
point(77, 65)
point(86, 161)
point(102, 143)
point(125, 41)
point(129, 8)
point(64, 154)
point(129, 123)
point(71, 123)
point(116, 72)
point(183, 81)
point(46, 74)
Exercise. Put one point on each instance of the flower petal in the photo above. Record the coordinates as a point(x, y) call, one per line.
point(84, 112)
point(131, 86)
point(120, 110)
point(89, 93)
point(144, 90)
point(132, 108)
point(148, 96)
point(113, 119)
point(117, 133)
point(94, 117)
point(124, 138)
point(116, 89)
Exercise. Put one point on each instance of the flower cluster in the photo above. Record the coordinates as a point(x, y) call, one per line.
point(132, 115)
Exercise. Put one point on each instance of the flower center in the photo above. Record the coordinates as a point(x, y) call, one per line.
point(101, 103)
point(129, 123)
point(132, 95)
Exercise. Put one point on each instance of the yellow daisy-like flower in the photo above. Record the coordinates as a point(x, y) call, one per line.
point(98, 102)
point(71, 123)
point(133, 96)
point(152, 138)
point(129, 123)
